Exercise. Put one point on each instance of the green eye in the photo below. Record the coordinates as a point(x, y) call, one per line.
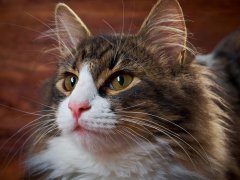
point(69, 82)
point(120, 82)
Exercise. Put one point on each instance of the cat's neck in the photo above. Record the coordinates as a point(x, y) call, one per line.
point(64, 158)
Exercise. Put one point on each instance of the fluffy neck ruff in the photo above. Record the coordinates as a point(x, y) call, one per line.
point(64, 159)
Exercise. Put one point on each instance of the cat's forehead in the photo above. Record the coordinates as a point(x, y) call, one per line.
point(108, 53)
point(104, 47)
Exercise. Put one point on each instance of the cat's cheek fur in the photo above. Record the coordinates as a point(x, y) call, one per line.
point(100, 116)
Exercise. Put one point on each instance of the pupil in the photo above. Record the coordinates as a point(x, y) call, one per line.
point(120, 80)
point(73, 81)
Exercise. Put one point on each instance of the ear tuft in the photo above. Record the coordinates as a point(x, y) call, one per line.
point(164, 30)
point(70, 29)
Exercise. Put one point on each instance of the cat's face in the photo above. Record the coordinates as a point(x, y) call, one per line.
point(102, 83)
point(118, 90)
point(110, 88)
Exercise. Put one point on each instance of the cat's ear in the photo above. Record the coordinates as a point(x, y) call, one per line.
point(70, 29)
point(164, 30)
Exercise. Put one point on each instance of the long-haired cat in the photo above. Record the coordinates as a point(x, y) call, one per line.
point(137, 106)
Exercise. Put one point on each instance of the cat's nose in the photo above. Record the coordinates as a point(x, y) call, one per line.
point(78, 108)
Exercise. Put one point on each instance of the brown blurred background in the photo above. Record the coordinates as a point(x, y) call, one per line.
point(24, 66)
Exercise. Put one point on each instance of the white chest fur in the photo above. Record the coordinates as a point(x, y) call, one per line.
point(64, 159)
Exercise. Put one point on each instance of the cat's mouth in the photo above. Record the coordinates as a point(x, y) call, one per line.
point(78, 129)
point(82, 130)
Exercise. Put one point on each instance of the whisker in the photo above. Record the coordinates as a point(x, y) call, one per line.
point(135, 139)
point(52, 128)
point(164, 119)
point(13, 156)
point(19, 110)
point(145, 139)
point(176, 136)
point(28, 125)
point(170, 138)
point(39, 103)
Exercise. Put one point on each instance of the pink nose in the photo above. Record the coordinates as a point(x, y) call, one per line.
point(78, 109)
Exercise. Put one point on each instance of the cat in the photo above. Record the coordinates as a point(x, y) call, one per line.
point(139, 106)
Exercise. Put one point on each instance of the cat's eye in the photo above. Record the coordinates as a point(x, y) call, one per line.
point(120, 82)
point(69, 82)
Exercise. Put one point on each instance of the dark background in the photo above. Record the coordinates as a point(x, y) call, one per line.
point(24, 66)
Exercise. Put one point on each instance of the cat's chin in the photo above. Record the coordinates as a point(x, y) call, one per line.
point(99, 141)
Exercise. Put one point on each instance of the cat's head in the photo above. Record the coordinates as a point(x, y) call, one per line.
point(118, 90)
